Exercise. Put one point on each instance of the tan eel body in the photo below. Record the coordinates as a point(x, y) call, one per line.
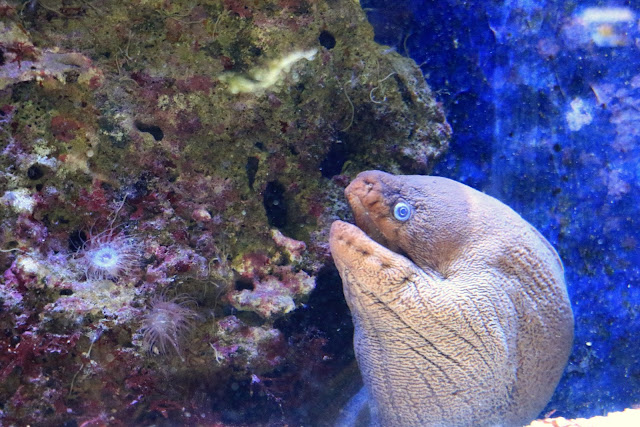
point(460, 307)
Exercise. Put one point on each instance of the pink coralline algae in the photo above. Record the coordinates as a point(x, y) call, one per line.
point(25, 62)
point(269, 289)
point(64, 128)
point(273, 294)
point(166, 262)
point(241, 345)
point(294, 248)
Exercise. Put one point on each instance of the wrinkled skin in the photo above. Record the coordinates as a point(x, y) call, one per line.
point(461, 312)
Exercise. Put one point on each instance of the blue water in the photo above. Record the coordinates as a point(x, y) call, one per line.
point(544, 102)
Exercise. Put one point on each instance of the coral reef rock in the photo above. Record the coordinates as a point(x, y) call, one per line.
point(214, 139)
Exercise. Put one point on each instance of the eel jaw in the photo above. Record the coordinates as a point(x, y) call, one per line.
point(364, 221)
point(364, 197)
point(361, 260)
point(345, 242)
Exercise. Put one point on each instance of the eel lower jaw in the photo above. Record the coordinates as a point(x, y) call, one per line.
point(349, 242)
point(370, 272)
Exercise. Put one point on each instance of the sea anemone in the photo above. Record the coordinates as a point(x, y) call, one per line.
point(166, 323)
point(108, 255)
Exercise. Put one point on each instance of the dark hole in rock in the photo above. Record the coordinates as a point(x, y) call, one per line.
point(252, 168)
point(154, 130)
point(327, 40)
point(275, 204)
point(76, 240)
point(35, 172)
point(72, 76)
point(255, 51)
point(242, 284)
point(334, 160)
point(140, 187)
point(66, 292)
point(326, 311)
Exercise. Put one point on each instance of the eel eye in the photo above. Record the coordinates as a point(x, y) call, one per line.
point(402, 211)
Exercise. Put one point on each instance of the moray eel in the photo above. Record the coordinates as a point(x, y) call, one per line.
point(460, 308)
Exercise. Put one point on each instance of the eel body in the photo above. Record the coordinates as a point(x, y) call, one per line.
point(460, 308)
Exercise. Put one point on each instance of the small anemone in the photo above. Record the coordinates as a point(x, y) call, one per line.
point(109, 255)
point(166, 323)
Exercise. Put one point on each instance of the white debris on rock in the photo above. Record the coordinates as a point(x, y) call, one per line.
point(20, 200)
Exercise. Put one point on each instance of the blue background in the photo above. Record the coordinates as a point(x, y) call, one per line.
point(513, 76)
